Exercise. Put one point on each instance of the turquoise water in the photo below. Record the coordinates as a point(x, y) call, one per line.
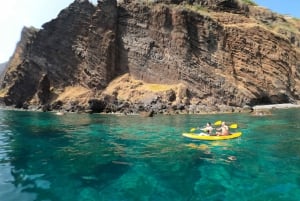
point(80, 157)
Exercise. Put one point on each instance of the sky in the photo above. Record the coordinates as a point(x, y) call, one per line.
point(285, 7)
point(15, 14)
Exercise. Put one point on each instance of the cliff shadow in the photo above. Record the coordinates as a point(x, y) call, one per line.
point(122, 62)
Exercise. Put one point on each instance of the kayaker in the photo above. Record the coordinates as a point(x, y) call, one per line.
point(224, 129)
point(208, 128)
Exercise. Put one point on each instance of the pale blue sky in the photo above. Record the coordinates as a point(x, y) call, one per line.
point(14, 14)
point(286, 7)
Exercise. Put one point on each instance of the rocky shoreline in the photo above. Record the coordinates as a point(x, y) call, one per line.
point(155, 109)
point(127, 108)
point(276, 106)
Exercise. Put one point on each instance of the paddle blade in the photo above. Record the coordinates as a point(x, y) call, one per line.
point(233, 126)
point(193, 129)
point(218, 123)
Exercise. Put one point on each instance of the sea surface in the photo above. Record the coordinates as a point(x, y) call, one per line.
point(82, 157)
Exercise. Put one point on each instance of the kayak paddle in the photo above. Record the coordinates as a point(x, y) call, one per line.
point(193, 129)
point(218, 123)
point(233, 126)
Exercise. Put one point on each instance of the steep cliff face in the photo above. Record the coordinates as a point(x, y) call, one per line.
point(212, 52)
point(77, 48)
point(16, 83)
point(223, 57)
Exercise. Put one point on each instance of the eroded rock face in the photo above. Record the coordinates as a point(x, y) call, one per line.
point(222, 51)
point(226, 57)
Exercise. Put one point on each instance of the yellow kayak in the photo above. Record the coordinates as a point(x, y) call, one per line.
point(201, 136)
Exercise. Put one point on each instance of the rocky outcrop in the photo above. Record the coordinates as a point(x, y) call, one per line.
point(76, 48)
point(203, 55)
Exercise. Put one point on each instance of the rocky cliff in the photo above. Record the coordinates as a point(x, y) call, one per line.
point(133, 56)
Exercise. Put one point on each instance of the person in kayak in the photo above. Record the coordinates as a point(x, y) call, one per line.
point(208, 128)
point(223, 130)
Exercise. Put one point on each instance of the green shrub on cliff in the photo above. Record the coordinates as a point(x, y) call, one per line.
point(249, 2)
point(197, 8)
